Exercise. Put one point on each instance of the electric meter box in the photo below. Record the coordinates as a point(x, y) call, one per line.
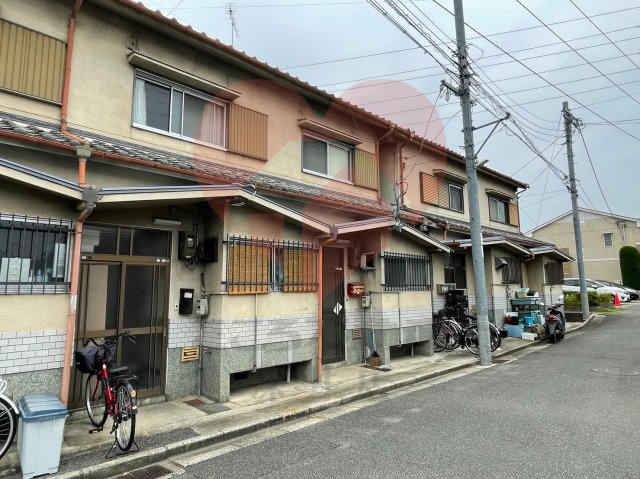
point(185, 305)
point(365, 301)
point(186, 245)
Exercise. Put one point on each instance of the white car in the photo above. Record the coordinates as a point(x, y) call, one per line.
point(573, 285)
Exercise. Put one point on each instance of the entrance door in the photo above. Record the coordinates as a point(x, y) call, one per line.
point(333, 323)
point(124, 282)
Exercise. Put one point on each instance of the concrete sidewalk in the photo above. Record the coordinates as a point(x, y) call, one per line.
point(170, 428)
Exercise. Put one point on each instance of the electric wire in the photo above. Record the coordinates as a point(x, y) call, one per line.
point(594, 171)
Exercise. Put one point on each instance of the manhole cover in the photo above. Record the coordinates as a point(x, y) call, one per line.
point(616, 371)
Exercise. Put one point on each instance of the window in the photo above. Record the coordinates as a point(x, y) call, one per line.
point(442, 192)
point(455, 197)
point(178, 111)
point(406, 272)
point(553, 273)
point(511, 271)
point(261, 266)
point(498, 210)
point(607, 238)
point(34, 255)
point(455, 270)
point(123, 241)
point(327, 158)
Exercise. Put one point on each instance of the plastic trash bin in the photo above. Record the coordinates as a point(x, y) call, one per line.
point(40, 433)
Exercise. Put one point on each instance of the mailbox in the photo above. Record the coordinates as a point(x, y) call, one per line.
point(355, 289)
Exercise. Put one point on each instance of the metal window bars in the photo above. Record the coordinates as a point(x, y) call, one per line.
point(34, 254)
point(258, 265)
point(406, 272)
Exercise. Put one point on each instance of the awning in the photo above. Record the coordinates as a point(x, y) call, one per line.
point(38, 179)
point(491, 241)
point(550, 250)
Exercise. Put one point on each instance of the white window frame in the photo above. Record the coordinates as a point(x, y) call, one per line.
point(162, 82)
point(604, 240)
point(457, 187)
point(349, 148)
point(506, 210)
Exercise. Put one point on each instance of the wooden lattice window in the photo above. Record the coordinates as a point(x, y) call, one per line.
point(553, 273)
point(259, 266)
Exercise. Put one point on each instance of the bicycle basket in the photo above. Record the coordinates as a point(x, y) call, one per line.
point(86, 359)
point(106, 354)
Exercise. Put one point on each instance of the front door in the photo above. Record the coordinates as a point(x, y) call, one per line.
point(333, 323)
point(125, 291)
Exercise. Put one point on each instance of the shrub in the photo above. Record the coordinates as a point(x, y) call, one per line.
point(630, 266)
point(572, 300)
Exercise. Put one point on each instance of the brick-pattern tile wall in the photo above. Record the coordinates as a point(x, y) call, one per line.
point(235, 333)
point(184, 332)
point(390, 319)
point(27, 351)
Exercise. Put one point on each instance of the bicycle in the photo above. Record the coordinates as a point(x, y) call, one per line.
point(108, 391)
point(449, 334)
point(8, 420)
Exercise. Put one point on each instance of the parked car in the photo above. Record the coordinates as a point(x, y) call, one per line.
point(573, 285)
point(633, 294)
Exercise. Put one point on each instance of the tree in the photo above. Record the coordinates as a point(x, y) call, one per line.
point(630, 266)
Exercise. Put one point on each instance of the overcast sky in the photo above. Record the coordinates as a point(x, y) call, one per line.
point(350, 49)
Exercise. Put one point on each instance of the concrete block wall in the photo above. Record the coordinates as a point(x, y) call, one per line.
point(28, 351)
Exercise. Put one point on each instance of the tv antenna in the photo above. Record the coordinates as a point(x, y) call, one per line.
point(231, 14)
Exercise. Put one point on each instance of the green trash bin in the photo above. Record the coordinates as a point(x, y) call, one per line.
point(40, 434)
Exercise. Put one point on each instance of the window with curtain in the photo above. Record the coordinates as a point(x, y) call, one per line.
point(34, 255)
point(498, 210)
point(327, 158)
point(178, 111)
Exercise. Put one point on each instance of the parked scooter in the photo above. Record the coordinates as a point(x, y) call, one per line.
point(554, 323)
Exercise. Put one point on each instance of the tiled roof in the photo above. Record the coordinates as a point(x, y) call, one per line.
point(204, 169)
point(464, 226)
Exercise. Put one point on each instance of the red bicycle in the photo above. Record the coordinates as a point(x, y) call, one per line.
point(108, 390)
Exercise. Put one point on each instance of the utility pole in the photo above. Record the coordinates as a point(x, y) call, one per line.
point(477, 252)
point(569, 122)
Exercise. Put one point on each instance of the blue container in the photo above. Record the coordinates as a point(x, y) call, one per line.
point(514, 331)
point(40, 434)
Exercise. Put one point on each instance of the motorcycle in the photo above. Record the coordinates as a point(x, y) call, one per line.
point(554, 323)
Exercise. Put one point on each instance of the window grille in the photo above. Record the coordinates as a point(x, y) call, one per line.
point(511, 272)
point(553, 273)
point(257, 265)
point(34, 254)
point(406, 272)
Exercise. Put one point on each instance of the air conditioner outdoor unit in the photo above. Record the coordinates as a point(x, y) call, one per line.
point(445, 287)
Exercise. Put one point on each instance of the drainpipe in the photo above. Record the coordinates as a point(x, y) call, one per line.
point(67, 73)
point(399, 320)
point(378, 141)
point(90, 199)
point(255, 332)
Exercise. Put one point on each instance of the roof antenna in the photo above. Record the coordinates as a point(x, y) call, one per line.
point(231, 14)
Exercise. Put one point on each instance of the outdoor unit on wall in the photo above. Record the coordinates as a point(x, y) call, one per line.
point(445, 287)
point(367, 261)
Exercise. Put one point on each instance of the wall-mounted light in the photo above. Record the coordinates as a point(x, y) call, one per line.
point(166, 222)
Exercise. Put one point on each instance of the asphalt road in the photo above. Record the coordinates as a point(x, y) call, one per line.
point(547, 414)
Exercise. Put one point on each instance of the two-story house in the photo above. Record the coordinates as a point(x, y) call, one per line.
point(228, 214)
point(603, 234)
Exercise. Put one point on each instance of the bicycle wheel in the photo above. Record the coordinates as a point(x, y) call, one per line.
point(453, 333)
point(494, 336)
point(125, 419)
point(8, 426)
point(471, 340)
point(439, 339)
point(95, 400)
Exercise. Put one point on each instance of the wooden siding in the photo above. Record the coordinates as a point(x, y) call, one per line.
point(365, 169)
point(247, 132)
point(33, 62)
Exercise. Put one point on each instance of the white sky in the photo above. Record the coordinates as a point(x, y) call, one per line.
point(293, 35)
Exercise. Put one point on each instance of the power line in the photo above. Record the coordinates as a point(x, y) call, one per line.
point(594, 172)
point(576, 52)
point(604, 34)
point(544, 79)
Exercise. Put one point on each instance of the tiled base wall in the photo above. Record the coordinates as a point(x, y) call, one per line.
point(389, 319)
point(222, 334)
point(184, 332)
point(27, 351)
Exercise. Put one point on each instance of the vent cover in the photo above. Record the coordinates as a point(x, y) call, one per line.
point(190, 353)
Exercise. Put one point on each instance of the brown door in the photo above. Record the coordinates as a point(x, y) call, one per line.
point(333, 322)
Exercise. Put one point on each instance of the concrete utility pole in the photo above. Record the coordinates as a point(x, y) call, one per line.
point(472, 189)
point(569, 122)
